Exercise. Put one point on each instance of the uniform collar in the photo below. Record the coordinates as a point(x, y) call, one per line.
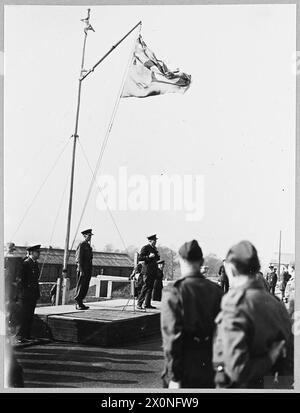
point(194, 274)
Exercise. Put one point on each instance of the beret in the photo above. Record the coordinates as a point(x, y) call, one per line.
point(244, 256)
point(191, 251)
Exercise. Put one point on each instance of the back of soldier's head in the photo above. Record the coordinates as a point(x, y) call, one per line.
point(191, 252)
point(190, 257)
point(244, 258)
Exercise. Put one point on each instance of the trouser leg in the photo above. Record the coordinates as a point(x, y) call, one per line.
point(83, 282)
point(26, 318)
point(78, 291)
point(157, 290)
point(146, 291)
point(22, 320)
point(149, 292)
point(31, 317)
point(142, 294)
point(85, 286)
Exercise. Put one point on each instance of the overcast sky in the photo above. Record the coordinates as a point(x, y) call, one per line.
point(235, 126)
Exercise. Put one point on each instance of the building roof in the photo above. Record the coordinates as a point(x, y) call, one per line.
point(100, 258)
point(285, 258)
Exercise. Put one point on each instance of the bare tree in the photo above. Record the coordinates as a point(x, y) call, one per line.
point(171, 270)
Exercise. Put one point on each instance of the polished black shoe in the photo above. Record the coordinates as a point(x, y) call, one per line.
point(86, 307)
point(150, 306)
point(81, 306)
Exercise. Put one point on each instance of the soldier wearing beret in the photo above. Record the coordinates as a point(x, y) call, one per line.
point(28, 292)
point(188, 310)
point(253, 341)
point(149, 257)
point(84, 261)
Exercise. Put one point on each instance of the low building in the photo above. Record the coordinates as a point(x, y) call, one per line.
point(51, 265)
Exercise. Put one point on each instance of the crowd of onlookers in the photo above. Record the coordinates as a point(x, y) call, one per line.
point(285, 282)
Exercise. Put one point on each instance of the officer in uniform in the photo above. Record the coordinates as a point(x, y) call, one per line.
point(28, 292)
point(188, 310)
point(158, 283)
point(253, 341)
point(84, 261)
point(12, 269)
point(285, 276)
point(149, 256)
point(272, 278)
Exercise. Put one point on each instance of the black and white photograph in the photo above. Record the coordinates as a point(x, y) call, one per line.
point(149, 198)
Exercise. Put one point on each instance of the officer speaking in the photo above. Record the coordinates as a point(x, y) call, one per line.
point(149, 257)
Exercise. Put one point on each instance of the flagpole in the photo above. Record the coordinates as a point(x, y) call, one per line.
point(62, 283)
point(108, 131)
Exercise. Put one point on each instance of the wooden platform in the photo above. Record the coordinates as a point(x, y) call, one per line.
point(105, 323)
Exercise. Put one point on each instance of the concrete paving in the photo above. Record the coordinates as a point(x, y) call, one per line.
point(62, 365)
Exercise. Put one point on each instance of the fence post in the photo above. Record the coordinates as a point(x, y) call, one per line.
point(109, 289)
point(66, 290)
point(98, 286)
point(57, 291)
